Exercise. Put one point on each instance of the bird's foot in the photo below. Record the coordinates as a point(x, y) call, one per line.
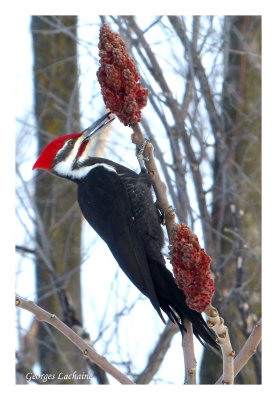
point(163, 214)
point(162, 217)
point(139, 153)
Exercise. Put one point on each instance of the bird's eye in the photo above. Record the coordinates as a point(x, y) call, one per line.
point(71, 142)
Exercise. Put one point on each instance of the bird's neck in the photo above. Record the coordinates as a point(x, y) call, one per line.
point(78, 170)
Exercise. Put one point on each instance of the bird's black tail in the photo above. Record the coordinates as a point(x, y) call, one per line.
point(177, 313)
point(173, 302)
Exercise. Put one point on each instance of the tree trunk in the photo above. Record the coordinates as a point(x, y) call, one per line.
point(237, 193)
point(58, 223)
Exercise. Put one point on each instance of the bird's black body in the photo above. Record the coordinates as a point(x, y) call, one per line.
point(118, 204)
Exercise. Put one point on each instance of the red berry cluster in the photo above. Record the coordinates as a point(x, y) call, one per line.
point(191, 268)
point(118, 78)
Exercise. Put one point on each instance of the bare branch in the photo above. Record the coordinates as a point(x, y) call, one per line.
point(189, 356)
point(44, 316)
point(247, 351)
point(158, 185)
point(217, 324)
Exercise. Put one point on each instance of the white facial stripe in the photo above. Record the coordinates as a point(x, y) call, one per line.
point(106, 166)
point(81, 172)
point(64, 167)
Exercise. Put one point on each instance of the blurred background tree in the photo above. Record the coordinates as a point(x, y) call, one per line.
point(203, 118)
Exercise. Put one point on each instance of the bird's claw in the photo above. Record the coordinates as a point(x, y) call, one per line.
point(163, 214)
point(139, 153)
point(162, 217)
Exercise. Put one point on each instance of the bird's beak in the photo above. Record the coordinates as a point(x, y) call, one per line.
point(96, 127)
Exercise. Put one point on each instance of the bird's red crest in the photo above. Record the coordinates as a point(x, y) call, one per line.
point(45, 160)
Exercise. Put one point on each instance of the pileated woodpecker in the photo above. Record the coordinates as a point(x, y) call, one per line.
point(117, 202)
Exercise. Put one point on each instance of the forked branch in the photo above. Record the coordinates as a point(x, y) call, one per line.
point(247, 351)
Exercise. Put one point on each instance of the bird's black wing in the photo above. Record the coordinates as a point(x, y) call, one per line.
point(105, 204)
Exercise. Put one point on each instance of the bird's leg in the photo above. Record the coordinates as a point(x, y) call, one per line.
point(139, 153)
point(163, 214)
point(162, 217)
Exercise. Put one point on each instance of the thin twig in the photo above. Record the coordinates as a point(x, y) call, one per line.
point(189, 356)
point(88, 351)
